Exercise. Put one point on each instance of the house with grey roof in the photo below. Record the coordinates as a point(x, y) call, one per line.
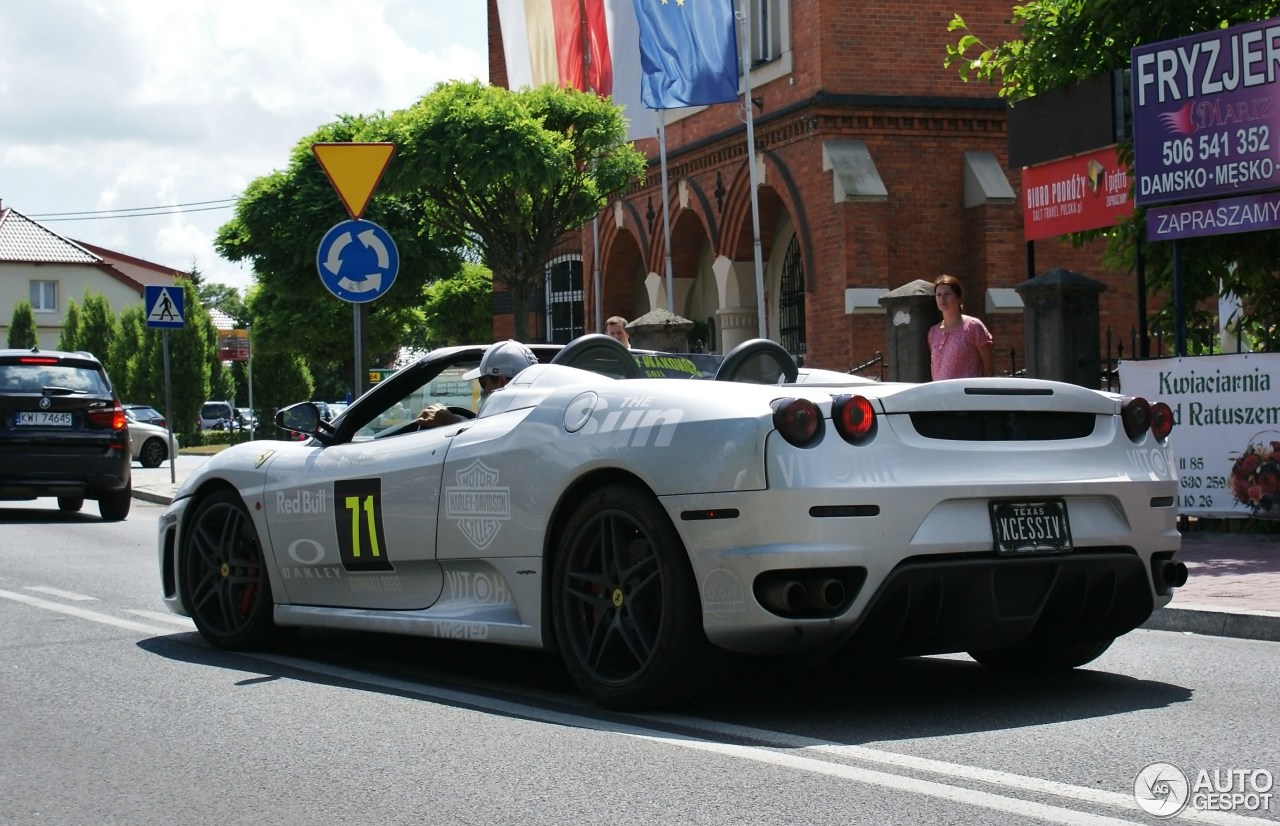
point(51, 271)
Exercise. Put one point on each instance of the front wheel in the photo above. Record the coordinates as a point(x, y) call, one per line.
point(1042, 659)
point(625, 607)
point(223, 575)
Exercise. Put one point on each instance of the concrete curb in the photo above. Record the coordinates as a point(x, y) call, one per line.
point(148, 496)
point(1246, 625)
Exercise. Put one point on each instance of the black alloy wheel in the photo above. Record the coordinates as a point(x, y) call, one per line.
point(223, 575)
point(627, 615)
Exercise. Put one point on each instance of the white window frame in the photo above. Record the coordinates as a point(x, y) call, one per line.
point(40, 289)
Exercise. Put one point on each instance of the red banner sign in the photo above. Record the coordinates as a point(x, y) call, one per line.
point(1075, 194)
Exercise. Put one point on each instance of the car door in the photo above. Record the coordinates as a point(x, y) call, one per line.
point(353, 524)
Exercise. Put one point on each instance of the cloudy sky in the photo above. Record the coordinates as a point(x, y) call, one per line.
point(148, 105)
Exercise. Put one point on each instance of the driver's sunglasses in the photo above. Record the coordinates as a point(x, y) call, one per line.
point(488, 382)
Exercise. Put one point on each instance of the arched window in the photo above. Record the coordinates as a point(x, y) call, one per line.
point(791, 301)
point(564, 299)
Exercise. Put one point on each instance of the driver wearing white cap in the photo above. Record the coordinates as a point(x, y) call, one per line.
point(500, 365)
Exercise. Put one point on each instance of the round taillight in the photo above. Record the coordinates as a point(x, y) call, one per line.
point(798, 420)
point(1136, 415)
point(1161, 421)
point(853, 416)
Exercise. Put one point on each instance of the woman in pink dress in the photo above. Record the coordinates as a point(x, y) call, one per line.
point(959, 345)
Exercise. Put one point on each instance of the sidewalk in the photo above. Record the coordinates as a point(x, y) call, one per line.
point(1232, 590)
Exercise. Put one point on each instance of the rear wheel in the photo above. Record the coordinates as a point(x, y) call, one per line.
point(114, 506)
point(1043, 659)
point(153, 452)
point(223, 575)
point(70, 504)
point(627, 616)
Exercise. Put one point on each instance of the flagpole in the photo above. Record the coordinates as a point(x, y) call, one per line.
point(762, 324)
point(595, 265)
point(666, 214)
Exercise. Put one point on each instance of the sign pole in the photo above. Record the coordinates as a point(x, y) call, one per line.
point(168, 405)
point(359, 350)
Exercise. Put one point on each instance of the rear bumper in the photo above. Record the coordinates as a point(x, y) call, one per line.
point(32, 475)
point(917, 570)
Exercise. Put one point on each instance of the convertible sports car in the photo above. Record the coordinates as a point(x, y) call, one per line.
point(649, 529)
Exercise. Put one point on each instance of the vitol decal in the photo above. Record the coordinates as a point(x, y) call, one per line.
point(636, 423)
point(1154, 462)
point(477, 504)
point(469, 586)
point(815, 469)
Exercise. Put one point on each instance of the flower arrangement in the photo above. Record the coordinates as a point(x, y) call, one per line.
point(1255, 477)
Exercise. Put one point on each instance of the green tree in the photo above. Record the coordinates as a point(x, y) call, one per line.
point(1065, 41)
point(512, 171)
point(457, 309)
point(126, 350)
point(191, 350)
point(98, 328)
point(279, 380)
point(69, 337)
point(22, 327)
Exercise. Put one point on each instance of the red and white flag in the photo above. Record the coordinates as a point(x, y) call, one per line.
point(592, 45)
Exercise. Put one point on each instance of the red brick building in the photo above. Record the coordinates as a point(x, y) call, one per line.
point(876, 166)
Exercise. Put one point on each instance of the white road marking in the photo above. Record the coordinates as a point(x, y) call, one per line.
point(801, 762)
point(92, 616)
point(57, 592)
point(185, 622)
point(1035, 785)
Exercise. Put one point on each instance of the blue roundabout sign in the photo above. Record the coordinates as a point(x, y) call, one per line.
point(357, 261)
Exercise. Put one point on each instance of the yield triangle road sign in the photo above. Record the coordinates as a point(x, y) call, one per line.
point(354, 169)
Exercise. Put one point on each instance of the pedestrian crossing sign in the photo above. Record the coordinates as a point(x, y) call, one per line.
point(164, 307)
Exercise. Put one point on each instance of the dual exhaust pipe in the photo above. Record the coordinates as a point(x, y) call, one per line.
point(1167, 575)
point(791, 595)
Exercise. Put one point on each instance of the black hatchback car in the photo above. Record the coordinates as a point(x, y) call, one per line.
point(63, 432)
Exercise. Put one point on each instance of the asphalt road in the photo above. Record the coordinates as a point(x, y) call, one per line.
point(116, 712)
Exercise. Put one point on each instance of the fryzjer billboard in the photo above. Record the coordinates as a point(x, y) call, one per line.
point(1075, 194)
point(1205, 119)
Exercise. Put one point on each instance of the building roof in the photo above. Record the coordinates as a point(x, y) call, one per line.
point(140, 270)
point(221, 321)
point(23, 240)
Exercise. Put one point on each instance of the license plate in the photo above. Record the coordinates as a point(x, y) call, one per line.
point(1030, 526)
point(40, 418)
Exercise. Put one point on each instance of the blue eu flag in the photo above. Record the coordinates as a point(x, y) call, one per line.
point(688, 52)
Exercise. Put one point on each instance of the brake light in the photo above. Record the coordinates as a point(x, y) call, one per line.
point(1161, 421)
point(854, 417)
point(108, 417)
point(798, 420)
point(1135, 413)
point(36, 360)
